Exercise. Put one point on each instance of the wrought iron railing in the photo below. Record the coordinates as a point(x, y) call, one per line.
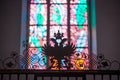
point(59, 75)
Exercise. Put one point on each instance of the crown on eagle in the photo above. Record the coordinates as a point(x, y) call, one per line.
point(58, 35)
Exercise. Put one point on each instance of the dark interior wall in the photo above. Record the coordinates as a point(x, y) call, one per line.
point(10, 15)
point(108, 28)
point(108, 23)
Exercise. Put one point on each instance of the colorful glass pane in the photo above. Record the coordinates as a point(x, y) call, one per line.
point(36, 60)
point(38, 1)
point(78, 1)
point(38, 14)
point(78, 15)
point(79, 37)
point(58, 1)
point(37, 36)
point(80, 60)
point(58, 14)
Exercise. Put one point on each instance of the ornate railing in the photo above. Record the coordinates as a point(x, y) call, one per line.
point(59, 75)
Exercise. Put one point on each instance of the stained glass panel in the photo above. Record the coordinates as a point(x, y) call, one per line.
point(58, 1)
point(38, 1)
point(78, 1)
point(78, 15)
point(37, 36)
point(59, 54)
point(38, 14)
point(79, 37)
point(58, 14)
point(36, 60)
point(80, 60)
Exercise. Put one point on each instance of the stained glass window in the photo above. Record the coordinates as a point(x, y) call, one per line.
point(58, 35)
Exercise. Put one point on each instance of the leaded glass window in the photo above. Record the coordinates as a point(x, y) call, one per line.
point(50, 23)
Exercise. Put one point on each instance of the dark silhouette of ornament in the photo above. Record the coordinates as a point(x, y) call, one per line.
point(104, 65)
point(9, 63)
point(59, 51)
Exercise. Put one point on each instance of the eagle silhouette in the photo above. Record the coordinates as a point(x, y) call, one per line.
point(59, 50)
